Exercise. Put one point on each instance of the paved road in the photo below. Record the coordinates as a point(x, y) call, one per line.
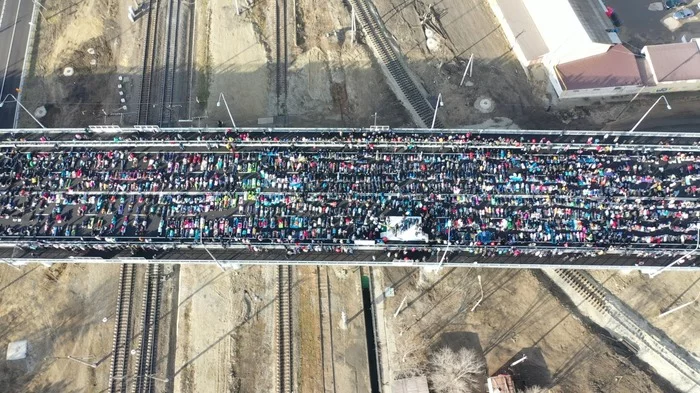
point(643, 27)
point(661, 121)
point(15, 16)
point(392, 255)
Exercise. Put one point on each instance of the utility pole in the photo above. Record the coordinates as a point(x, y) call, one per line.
point(218, 103)
point(470, 67)
point(682, 306)
point(353, 29)
point(438, 104)
point(22, 106)
point(481, 288)
point(398, 310)
point(91, 365)
point(682, 258)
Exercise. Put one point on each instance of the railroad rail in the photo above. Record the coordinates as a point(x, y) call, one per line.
point(118, 381)
point(326, 324)
point(586, 289)
point(635, 332)
point(170, 66)
point(404, 86)
point(149, 63)
point(145, 366)
point(285, 360)
point(281, 56)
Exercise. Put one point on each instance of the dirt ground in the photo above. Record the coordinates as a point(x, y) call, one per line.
point(653, 296)
point(517, 316)
point(346, 368)
point(60, 311)
point(466, 28)
point(66, 33)
point(225, 330)
point(332, 82)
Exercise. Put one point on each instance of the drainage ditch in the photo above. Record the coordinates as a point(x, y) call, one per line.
point(372, 358)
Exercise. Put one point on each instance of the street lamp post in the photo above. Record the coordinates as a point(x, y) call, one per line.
point(449, 227)
point(438, 104)
point(682, 306)
point(681, 259)
point(481, 288)
point(668, 106)
point(153, 377)
point(22, 106)
point(218, 103)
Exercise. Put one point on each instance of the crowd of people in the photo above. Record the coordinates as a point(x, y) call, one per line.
point(488, 192)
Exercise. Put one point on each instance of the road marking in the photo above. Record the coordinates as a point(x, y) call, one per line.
point(9, 50)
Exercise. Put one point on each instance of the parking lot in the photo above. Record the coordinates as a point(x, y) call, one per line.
point(642, 26)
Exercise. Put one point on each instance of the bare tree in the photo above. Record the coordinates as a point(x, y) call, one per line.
point(456, 372)
point(412, 358)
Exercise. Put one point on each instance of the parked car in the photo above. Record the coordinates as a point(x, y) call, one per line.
point(668, 4)
point(683, 14)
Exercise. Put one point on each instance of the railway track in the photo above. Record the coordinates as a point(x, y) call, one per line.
point(159, 62)
point(407, 92)
point(639, 335)
point(281, 56)
point(145, 366)
point(285, 369)
point(122, 331)
point(149, 63)
point(585, 288)
point(170, 66)
point(324, 305)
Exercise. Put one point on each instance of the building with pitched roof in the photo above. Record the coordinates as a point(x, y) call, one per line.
point(673, 67)
point(576, 43)
point(615, 72)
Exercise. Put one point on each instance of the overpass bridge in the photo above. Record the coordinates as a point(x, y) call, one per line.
point(83, 245)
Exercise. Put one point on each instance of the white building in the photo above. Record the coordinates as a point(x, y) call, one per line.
point(575, 42)
point(555, 31)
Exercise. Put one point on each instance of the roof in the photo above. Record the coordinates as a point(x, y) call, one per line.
point(410, 385)
point(675, 62)
point(591, 14)
point(501, 384)
point(524, 28)
point(616, 67)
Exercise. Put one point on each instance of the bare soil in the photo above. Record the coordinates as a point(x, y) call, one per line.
point(225, 331)
point(518, 316)
point(59, 311)
point(67, 32)
point(331, 81)
point(652, 296)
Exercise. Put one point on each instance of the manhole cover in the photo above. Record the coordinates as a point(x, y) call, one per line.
point(40, 112)
point(68, 71)
point(91, 51)
point(93, 62)
point(484, 104)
